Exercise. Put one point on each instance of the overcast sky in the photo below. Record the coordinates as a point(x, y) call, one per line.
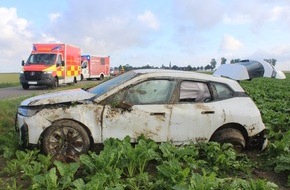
point(153, 32)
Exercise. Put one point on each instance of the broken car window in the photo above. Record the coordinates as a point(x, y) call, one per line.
point(222, 91)
point(150, 92)
point(194, 92)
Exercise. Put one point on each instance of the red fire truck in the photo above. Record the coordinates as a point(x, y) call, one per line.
point(51, 65)
point(95, 67)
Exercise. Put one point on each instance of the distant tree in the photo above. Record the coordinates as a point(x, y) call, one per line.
point(213, 64)
point(201, 68)
point(174, 67)
point(146, 67)
point(207, 67)
point(189, 68)
point(271, 61)
point(223, 60)
point(235, 61)
point(128, 67)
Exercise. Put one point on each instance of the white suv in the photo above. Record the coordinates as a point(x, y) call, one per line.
point(163, 105)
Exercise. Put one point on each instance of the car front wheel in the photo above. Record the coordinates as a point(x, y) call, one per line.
point(232, 136)
point(65, 138)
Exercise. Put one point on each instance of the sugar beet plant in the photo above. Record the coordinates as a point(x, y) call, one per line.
point(273, 99)
point(148, 165)
point(144, 165)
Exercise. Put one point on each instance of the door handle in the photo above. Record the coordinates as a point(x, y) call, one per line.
point(157, 113)
point(207, 112)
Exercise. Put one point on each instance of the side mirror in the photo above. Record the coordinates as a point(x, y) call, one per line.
point(22, 63)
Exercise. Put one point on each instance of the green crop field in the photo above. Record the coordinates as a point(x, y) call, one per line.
point(148, 165)
point(9, 79)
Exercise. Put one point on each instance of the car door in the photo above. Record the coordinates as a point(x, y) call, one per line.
point(141, 109)
point(194, 116)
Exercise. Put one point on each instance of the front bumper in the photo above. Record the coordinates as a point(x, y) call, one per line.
point(41, 79)
point(258, 141)
point(22, 130)
point(30, 128)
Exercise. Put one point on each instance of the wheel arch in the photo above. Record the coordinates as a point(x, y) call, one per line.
point(233, 126)
point(69, 120)
point(102, 76)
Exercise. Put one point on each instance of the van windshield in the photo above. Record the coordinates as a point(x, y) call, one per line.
point(41, 58)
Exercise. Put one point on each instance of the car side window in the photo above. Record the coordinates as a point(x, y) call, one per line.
point(222, 91)
point(147, 92)
point(150, 92)
point(191, 91)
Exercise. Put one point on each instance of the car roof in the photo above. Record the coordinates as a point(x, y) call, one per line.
point(188, 75)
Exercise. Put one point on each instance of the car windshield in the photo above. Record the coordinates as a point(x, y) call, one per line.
point(42, 58)
point(112, 83)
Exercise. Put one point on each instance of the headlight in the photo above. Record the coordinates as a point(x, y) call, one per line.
point(27, 112)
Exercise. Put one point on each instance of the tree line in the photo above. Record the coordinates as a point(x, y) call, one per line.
point(209, 67)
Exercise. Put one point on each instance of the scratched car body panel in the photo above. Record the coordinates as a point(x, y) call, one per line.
point(162, 105)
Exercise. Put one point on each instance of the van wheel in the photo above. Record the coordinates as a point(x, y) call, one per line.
point(54, 84)
point(65, 139)
point(230, 135)
point(25, 86)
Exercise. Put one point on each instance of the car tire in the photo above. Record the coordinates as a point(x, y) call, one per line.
point(232, 136)
point(65, 138)
point(25, 86)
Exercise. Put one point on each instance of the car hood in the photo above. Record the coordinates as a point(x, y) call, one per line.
point(58, 97)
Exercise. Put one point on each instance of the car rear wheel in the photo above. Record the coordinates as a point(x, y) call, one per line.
point(65, 138)
point(230, 135)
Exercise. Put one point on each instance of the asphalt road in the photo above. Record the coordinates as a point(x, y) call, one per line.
point(15, 92)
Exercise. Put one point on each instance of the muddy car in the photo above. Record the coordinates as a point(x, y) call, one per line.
point(163, 105)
